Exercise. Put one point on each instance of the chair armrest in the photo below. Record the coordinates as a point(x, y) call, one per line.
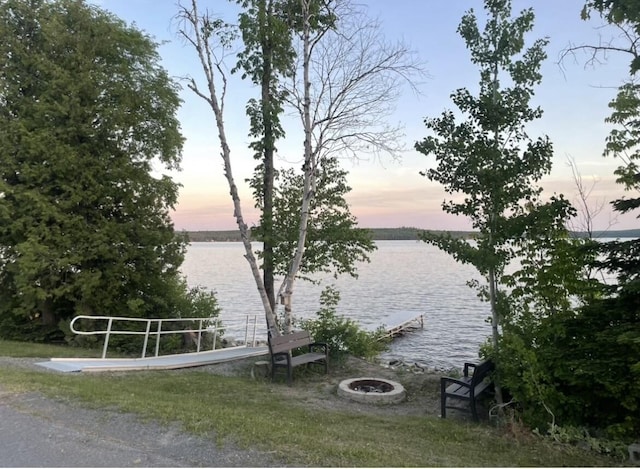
point(468, 365)
point(448, 379)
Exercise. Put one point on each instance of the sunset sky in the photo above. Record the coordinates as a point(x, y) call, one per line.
point(389, 193)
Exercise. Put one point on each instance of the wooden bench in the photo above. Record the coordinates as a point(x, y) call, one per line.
point(468, 388)
point(282, 347)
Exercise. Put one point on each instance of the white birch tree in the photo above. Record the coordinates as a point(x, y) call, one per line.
point(344, 90)
point(212, 38)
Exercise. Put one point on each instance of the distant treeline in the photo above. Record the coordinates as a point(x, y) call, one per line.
point(378, 234)
point(382, 234)
point(610, 234)
point(208, 236)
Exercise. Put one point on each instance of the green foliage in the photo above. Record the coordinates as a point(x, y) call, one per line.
point(572, 365)
point(87, 113)
point(334, 244)
point(623, 258)
point(343, 336)
point(623, 141)
point(20, 328)
point(483, 157)
point(267, 28)
point(551, 276)
point(582, 437)
point(596, 364)
point(268, 56)
point(569, 350)
point(490, 157)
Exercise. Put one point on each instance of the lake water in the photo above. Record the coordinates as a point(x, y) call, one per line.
point(402, 276)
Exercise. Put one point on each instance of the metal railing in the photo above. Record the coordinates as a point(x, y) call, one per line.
point(154, 327)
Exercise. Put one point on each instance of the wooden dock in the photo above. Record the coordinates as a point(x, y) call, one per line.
point(399, 323)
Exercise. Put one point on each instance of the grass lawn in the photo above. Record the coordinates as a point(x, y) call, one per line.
point(262, 415)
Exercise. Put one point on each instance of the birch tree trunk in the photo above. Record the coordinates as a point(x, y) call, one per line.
point(286, 290)
point(493, 283)
point(198, 30)
point(356, 76)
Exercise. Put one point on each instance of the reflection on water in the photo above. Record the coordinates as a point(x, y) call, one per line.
point(402, 275)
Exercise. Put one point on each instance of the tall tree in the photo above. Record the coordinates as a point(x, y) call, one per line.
point(489, 158)
point(310, 20)
point(616, 342)
point(86, 114)
point(345, 84)
point(268, 55)
point(212, 39)
point(570, 342)
point(622, 257)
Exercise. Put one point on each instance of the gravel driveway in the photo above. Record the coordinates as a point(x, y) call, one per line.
point(36, 431)
point(44, 432)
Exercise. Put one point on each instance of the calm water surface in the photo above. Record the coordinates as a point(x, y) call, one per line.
point(402, 276)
